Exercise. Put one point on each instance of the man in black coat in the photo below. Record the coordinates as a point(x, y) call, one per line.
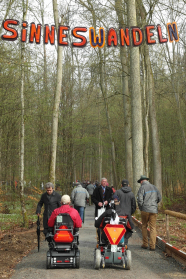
point(51, 200)
point(102, 196)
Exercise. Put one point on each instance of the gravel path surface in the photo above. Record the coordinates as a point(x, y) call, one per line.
point(145, 264)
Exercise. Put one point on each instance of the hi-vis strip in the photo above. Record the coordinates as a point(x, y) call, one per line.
point(134, 35)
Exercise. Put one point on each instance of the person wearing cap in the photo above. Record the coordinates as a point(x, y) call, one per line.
point(65, 208)
point(51, 200)
point(79, 196)
point(127, 205)
point(148, 198)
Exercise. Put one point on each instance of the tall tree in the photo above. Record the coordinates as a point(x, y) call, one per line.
point(56, 98)
point(137, 132)
point(119, 6)
point(22, 137)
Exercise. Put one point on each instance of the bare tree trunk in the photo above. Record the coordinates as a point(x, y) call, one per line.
point(137, 133)
point(102, 86)
point(44, 47)
point(146, 120)
point(24, 213)
point(100, 149)
point(126, 99)
point(56, 99)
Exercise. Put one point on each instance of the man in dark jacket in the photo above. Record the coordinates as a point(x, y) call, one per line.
point(101, 196)
point(148, 198)
point(127, 205)
point(51, 201)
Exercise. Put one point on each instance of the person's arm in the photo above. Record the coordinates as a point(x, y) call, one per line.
point(39, 205)
point(109, 197)
point(59, 201)
point(72, 195)
point(158, 196)
point(133, 205)
point(52, 219)
point(77, 221)
point(94, 198)
point(140, 197)
point(87, 194)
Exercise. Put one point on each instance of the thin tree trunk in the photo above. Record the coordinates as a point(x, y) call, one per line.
point(108, 121)
point(100, 146)
point(137, 133)
point(146, 120)
point(56, 100)
point(22, 136)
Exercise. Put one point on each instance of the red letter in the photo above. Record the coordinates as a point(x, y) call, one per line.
point(61, 35)
point(35, 33)
point(82, 38)
point(112, 37)
point(24, 31)
point(160, 36)
point(140, 36)
point(124, 37)
point(49, 34)
point(14, 35)
point(149, 34)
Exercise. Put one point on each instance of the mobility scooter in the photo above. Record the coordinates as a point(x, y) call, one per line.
point(111, 249)
point(63, 244)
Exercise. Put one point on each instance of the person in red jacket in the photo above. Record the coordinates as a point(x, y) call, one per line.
point(65, 208)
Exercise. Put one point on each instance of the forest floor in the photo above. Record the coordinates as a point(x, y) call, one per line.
point(17, 242)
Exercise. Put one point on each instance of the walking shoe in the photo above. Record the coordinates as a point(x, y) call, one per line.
point(144, 247)
point(152, 249)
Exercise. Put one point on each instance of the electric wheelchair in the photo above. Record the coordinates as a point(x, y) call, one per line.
point(111, 248)
point(63, 244)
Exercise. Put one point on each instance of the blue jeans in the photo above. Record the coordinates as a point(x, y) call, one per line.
point(80, 209)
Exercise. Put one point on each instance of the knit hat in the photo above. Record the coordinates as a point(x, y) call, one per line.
point(65, 199)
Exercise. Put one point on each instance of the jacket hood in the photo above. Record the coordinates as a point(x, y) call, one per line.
point(126, 189)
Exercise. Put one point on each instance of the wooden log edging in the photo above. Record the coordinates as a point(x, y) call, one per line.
point(172, 251)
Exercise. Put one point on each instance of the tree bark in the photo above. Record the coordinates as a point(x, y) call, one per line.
point(126, 99)
point(22, 136)
point(56, 100)
point(137, 133)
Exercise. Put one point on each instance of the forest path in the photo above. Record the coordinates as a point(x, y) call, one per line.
point(145, 264)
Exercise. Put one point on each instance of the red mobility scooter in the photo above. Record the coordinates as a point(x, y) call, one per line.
point(63, 244)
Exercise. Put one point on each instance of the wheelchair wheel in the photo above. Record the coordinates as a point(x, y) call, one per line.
point(97, 259)
point(128, 260)
point(77, 261)
point(48, 262)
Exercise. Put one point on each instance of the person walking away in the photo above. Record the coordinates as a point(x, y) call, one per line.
point(51, 200)
point(90, 189)
point(127, 205)
point(79, 196)
point(148, 198)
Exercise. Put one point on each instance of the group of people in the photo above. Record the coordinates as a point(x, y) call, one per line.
point(148, 198)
